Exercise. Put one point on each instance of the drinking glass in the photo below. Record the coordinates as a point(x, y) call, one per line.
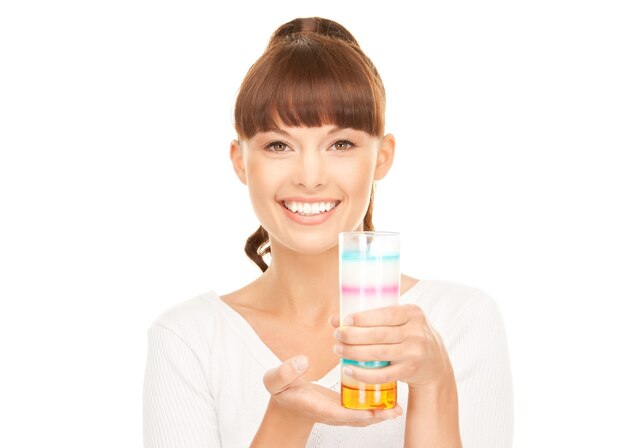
point(369, 278)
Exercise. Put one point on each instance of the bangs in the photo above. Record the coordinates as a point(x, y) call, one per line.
point(311, 81)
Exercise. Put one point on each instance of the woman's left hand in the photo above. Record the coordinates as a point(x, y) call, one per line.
point(400, 334)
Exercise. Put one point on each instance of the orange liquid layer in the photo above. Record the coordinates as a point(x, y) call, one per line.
point(369, 396)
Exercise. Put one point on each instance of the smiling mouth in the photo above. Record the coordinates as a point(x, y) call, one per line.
point(310, 209)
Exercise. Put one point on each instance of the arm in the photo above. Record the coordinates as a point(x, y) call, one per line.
point(477, 348)
point(433, 409)
point(280, 426)
point(178, 410)
point(432, 418)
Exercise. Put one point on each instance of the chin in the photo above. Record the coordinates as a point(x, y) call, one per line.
point(310, 245)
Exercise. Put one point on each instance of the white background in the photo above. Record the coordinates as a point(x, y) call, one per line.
point(118, 199)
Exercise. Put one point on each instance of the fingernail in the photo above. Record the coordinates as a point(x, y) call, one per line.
point(338, 348)
point(348, 321)
point(347, 371)
point(300, 363)
point(337, 334)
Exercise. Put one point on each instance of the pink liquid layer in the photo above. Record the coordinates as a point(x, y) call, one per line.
point(369, 290)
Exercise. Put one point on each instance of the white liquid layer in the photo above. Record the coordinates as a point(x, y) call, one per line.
point(369, 274)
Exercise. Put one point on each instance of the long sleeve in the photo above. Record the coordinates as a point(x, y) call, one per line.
point(178, 410)
point(479, 354)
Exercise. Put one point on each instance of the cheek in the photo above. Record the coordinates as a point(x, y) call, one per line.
point(357, 177)
point(263, 180)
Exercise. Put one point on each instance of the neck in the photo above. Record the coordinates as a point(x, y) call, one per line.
point(302, 285)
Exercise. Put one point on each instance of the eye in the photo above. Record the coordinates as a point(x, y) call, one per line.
point(276, 146)
point(342, 145)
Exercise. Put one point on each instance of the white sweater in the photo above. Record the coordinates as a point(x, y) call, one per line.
point(203, 383)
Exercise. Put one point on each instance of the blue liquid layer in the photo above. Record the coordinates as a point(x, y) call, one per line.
point(360, 256)
point(365, 364)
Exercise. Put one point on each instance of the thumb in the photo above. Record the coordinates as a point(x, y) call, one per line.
point(280, 378)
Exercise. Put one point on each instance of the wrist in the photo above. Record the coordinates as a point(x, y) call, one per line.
point(281, 427)
point(287, 417)
point(432, 415)
point(443, 385)
point(435, 395)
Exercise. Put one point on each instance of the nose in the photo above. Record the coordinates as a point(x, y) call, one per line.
point(310, 173)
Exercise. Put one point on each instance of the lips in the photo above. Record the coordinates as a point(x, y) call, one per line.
point(312, 219)
point(309, 200)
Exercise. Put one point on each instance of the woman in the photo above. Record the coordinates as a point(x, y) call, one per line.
point(260, 366)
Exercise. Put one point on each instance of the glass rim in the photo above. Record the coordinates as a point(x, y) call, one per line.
point(370, 233)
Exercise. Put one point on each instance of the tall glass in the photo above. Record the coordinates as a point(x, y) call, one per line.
point(369, 278)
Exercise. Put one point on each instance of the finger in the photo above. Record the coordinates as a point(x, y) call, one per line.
point(380, 415)
point(382, 375)
point(366, 417)
point(387, 316)
point(333, 320)
point(370, 335)
point(387, 414)
point(279, 378)
point(377, 352)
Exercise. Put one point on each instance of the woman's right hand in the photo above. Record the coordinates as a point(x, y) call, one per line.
point(314, 403)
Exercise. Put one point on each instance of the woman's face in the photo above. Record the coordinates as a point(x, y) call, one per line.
point(294, 174)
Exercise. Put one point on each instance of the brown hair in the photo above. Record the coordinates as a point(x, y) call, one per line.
point(312, 73)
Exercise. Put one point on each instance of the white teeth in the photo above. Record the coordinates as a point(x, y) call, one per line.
point(308, 208)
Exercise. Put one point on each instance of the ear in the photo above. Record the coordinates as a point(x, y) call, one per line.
point(236, 157)
point(385, 156)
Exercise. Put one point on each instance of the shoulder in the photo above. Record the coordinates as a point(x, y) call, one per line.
point(195, 320)
point(444, 302)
